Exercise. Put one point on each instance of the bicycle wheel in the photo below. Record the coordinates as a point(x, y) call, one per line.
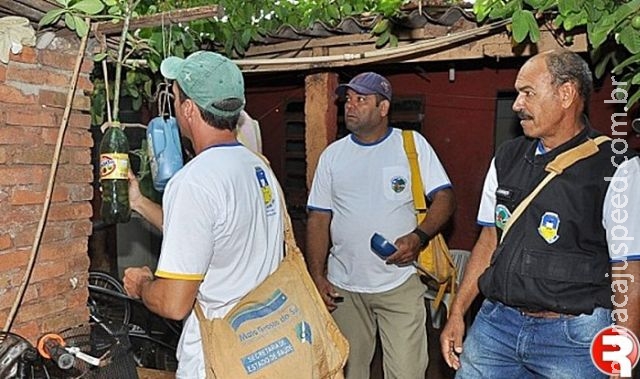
point(12, 348)
point(106, 306)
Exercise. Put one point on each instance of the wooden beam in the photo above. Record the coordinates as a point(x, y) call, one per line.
point(497, 45)
point(172, 17)
point(22, 10)
point(40, 5)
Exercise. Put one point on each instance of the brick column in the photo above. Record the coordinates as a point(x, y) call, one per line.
point(33, 91)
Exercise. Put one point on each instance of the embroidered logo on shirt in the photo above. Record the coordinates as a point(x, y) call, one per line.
point(267, 193)
point(549, 225)
point(398, 184)
point(502, 216)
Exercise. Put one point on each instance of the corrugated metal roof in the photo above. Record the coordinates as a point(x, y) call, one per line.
point(412, 17)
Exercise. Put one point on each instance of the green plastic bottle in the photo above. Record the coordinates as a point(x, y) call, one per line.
point(114, 168)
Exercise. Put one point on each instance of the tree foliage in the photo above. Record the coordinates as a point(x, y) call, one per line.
point(243, 22)
point(612, 26)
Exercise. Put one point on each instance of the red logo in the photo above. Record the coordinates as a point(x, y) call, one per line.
point(614, 351)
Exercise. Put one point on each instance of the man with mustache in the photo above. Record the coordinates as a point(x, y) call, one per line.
point(548, 284)
point(362, 186)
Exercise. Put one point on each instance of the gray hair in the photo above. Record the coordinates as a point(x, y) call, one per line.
point(567, 66)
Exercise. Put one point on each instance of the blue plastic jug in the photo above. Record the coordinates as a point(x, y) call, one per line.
point(164, 150)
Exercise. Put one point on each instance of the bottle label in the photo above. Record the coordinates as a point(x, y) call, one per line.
point(114, 166)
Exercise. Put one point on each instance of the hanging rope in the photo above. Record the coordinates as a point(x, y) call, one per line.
point(52, 178)
point(165, 96)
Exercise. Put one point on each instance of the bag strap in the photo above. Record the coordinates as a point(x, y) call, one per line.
point(417, 190)
point(555, 168)
point(290, 245)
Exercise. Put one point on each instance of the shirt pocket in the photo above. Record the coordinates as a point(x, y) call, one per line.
point(396, 183)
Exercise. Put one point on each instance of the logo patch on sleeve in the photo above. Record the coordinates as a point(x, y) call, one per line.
point(502, 216)
point(549, 225)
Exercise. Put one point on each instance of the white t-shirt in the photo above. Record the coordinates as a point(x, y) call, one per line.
point(613, 214)
point(222, 225)
point(367, 188)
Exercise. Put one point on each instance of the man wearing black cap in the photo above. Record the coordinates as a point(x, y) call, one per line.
point(362, 186)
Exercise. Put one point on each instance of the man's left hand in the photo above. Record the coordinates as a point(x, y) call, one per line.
point(408, 249)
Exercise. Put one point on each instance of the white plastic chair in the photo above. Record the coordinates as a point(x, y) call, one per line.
point(460, 258)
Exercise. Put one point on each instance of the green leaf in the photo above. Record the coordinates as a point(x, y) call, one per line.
point(520, 25)
point(601, 30)
point(188, 42)
point(136, 103)
point(393, 41)
point(631, 60)
point(534, 29)
point(625, 10)
point(482, 8)
point(153, 65)
point(99, 57)
point(51, 17)
point(383, 39)
point(246, 37)
point(70, 21)
point(505, 10)
point(633, 99)
point(131, 78)
point(82, 28)
point(148, 89)
point(110, 3)
point(381, 27)
point(333, 13)
point(114, 10)
point(636, 79)
point(575, 19)
point(568, 6)
point(548, 4)
point(89, 6)
point(602, 64)
point(630, 38)
point(237, 46)
point(535, 4)
point(64, 3)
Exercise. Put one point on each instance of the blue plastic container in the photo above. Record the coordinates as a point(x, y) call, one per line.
point(164, 150)
point(382, 246)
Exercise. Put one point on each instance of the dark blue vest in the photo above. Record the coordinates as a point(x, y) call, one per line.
point(555, 257)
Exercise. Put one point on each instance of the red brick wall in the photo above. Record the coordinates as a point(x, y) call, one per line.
point(33, 92)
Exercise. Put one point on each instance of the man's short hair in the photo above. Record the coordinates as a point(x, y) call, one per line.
point(567, 66)
point(221, 122)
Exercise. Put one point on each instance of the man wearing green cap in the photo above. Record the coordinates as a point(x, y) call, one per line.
point(223, 228)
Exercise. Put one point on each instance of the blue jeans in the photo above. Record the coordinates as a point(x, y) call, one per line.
point(504, 343)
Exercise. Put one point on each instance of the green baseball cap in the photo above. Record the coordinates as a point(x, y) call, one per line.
point(207, 78)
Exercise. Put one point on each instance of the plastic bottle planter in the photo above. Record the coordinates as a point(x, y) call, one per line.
point(165, 151)
point(114, 166)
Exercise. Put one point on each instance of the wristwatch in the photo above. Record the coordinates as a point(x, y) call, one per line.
point(424, 237)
